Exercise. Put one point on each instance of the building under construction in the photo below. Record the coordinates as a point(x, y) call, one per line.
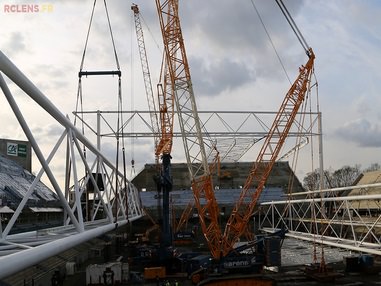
point(228, 185)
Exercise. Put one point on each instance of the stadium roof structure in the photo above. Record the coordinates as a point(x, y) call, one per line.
point(14, 183)
point(365, 180)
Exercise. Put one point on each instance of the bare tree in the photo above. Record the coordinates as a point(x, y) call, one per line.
point(345, 176)
point(373, 167)
point(311, 181)
point(342, 177)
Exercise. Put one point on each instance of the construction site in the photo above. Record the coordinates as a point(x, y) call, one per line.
point(212, 216)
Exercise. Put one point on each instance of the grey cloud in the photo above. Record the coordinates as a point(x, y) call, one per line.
point(362, 132)
point(142, 153)
point(99, 46)
point(58, 77)
point(237, 26)
point(48, 130)
point(15, 44)
point(48, 69)
point(219, 76)
point(233, 33)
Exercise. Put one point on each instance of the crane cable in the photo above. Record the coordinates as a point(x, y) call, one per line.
point(293, 25)
point(132, 100)
point(79, 90)
point(271, 42)
point(149, 30)
point(111, 35)
point(119, 130)
point(119, 121)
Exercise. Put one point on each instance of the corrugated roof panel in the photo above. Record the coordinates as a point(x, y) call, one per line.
point(16, 180)
point(6, 210)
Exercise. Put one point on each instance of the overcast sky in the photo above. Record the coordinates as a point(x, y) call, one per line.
point(232, 62)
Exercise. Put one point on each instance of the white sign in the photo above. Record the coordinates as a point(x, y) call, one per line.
point(11, 149)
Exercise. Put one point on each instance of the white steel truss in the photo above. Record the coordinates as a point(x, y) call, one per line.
point(235, 132)
point(114, 202)
point(329, 217)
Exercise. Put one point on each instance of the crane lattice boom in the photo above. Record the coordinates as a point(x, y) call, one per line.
point(196, 156)
point(181, 80)
point(146, 74)
point(267, 156)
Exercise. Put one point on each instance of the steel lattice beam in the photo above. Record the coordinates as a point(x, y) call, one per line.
point(116, 204)
point(339, 225)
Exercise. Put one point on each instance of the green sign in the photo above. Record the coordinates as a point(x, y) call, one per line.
point(21, 150)
point(14, 149)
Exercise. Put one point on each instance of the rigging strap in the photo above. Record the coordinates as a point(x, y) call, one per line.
point(111, 35)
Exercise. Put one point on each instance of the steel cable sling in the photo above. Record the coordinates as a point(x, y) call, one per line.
point(119, 132)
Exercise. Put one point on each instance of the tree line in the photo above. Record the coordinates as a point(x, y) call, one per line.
point(343, 177)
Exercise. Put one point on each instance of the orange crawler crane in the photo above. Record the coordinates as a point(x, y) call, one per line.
point(220, 243)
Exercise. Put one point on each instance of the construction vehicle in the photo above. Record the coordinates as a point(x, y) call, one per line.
point(181, 234)
point(221, 243)
point(153, 273)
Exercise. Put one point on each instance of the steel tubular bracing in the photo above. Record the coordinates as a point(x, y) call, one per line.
point(321, 217)
point(81, 223)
